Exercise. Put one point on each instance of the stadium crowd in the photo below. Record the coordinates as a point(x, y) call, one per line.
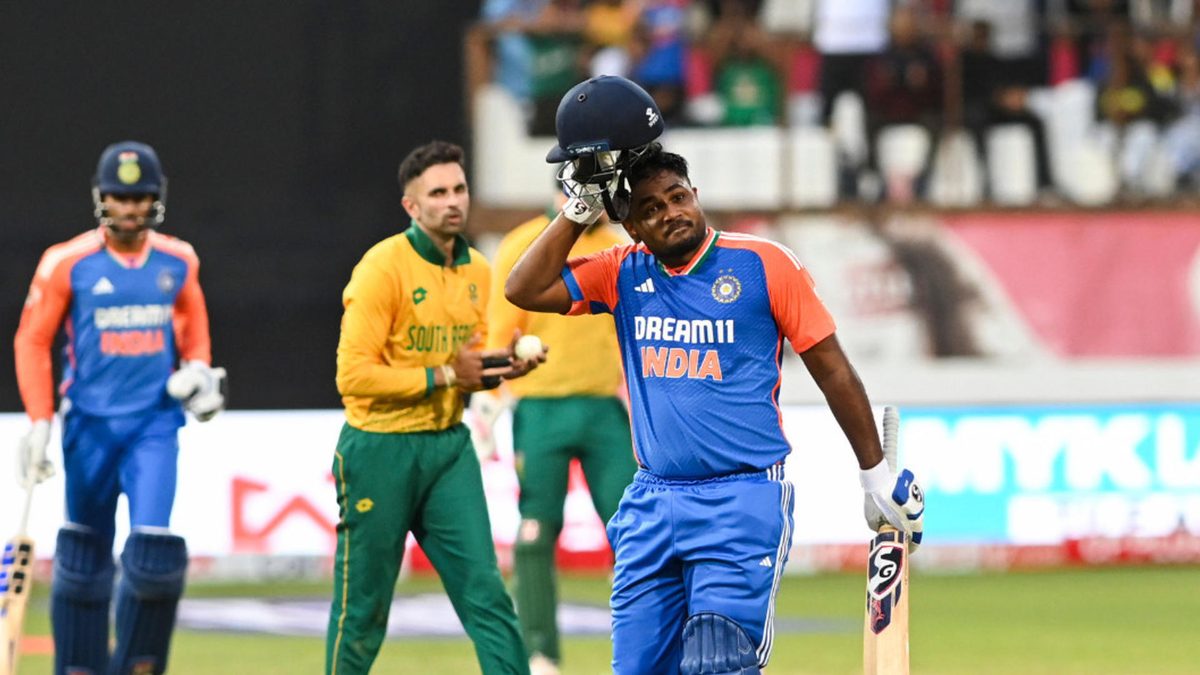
point(1040, 87)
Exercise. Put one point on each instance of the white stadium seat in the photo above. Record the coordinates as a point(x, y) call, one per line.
point(957, 177)
point(902, 151)
point(813, 176)
point(510, 168)
point(733, 168)
point(1090, 175)
point(848, 120)
point(1011, 163)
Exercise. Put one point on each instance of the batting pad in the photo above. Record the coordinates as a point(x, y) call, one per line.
point(714, 645)
point(153, 569)
point(79, 598)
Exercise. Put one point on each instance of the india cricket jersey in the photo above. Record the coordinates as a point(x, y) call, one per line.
point(128, 318)
point(702, 347)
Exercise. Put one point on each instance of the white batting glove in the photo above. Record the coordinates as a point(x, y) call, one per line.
point(485, 408)
point(585, 204)
point(32, 464)
point(199, 387)
point(894, 500)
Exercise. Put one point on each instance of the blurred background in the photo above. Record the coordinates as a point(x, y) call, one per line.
point(997, 200)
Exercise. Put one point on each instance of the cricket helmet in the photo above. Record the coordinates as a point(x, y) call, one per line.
point(130, 168)
point(603, 125)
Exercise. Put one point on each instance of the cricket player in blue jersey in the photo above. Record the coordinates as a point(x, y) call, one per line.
point(702, 535)
point(130, 303)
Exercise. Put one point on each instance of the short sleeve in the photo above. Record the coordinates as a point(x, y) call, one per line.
point(592, 280)
point(797, 308)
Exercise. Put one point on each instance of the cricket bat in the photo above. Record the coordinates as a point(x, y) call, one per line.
point(885, 627)
point(16, 576)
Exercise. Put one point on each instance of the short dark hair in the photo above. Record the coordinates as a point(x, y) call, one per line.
point(420, 159)
point(654, 161)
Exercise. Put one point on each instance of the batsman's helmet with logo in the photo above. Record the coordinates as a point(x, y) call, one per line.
point(130, 168)
point(603, 125)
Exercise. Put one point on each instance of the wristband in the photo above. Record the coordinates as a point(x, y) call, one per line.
point(877, 479)
point(449, 376)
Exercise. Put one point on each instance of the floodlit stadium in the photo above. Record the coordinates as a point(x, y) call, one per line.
point(996, 202)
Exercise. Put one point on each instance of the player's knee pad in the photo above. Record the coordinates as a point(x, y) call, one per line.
point(715, 645)
point(153, 567)
point(79, 599)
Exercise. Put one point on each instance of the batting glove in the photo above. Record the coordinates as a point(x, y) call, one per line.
point(485, 408)
point(200, 388)
point(32, 465)
point(585, 204)
point(894, 500)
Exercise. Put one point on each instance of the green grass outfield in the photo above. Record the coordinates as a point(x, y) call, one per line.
point(1125, 621)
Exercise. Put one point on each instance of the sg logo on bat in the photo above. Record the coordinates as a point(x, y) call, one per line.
point(885, 574)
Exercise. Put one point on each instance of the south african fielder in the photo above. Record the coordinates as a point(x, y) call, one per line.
point(413, 324)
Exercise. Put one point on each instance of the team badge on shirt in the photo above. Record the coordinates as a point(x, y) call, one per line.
point(726, 288)
point(166, 282)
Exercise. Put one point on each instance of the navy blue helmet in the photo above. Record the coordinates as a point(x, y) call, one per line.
point(603, 125)
point(130, 168)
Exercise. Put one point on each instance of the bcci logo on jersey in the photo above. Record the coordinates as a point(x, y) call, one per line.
point(726, 289)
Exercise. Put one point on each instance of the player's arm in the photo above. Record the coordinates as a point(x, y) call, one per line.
point(45, 306)
point(803, 318)
point(536, 282)
point(191, 319)
point(847, 398)
point(890, 498)
point(370, 305)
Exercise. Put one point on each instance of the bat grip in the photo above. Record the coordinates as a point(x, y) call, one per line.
point(891, 433)
point(24, 529)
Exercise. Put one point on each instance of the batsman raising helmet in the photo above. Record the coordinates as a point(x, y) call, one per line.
point(702, 535)
point(137, 357)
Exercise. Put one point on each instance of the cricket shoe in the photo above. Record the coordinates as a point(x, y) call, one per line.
point(539, 664)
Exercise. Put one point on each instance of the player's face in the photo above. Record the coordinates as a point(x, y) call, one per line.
point(438, 199)
point(129, 215)
point(665, 215)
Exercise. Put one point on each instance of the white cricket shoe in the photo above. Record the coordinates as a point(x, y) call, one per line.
point(540, 665)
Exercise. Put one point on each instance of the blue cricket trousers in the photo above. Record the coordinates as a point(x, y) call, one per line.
point(685, 547)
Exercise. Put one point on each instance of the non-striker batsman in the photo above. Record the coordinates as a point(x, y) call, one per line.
point(130, 302)
point(702, 535)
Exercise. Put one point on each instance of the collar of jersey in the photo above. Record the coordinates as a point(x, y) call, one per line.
point(127, 260)
point(431, 252)
point(701, 255)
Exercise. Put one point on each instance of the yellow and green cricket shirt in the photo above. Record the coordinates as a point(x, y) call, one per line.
point(407, 310)
point(584, 359)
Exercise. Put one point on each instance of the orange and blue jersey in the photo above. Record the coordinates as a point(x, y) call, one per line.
point(128, 320)
point(702, 347)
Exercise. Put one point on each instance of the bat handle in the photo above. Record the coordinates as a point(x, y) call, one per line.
point(891, 433)
point(24, 529)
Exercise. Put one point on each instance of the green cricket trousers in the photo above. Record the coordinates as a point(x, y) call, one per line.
point(389, 484)
point(547, 434)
